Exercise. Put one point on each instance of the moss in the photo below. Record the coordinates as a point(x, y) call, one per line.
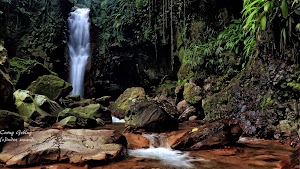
point(192, 93)
point(90, 113)
point(268, 101)
point(294, 86)
point(51, 86)
point(33, 106)
point(129, 97)
point(24, 71)
point(167, 88)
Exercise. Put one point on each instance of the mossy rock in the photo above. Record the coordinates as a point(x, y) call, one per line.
point(129, 97)
point(10, 122)
point(3, 58)
point(24, 71)
point(287, 127)
point(36, 109)
point(192, 93)
point(87, 116)
point(167, 88)
point(51, 86)
point(6, 91)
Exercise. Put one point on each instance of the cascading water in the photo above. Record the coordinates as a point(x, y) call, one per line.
point(79, 48)
point(162, 152)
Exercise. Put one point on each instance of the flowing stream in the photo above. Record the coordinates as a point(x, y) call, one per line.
point(160, 151)
point(79, 48)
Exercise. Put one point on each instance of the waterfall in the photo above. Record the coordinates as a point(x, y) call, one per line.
point(79, 48)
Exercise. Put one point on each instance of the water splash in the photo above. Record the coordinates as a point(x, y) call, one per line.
point(79, 48)
point(160, 151)
point(167, 156)
point(117, 120)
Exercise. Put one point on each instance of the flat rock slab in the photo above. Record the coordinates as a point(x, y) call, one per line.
point(78, 146)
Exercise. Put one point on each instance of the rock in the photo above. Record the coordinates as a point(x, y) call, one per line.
point(6, 87)
point(182, 106)
point(292, 162)
point(192, 93)
point(74, 97)
point(6, 91)
point(136, 141)
point(104, 100)
point(210, 135)
point(150, 117)
point(36, 109)
point(168, 107)
point(88, 116)
point(51, 86)
point(9, 122)
point(193, 118)
point(190, 111)
point(3, 58)
point(287, 127)
point(76, 146)
point(129, 97)
point(25, 71)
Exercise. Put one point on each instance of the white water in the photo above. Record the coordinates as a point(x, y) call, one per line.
point(117, 120)
point(79, 48)
point(168, 156)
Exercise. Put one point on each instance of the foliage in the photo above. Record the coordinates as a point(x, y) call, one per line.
point(211, 53)
point(269, 14)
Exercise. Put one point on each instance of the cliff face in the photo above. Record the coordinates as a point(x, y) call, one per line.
point(35, 30)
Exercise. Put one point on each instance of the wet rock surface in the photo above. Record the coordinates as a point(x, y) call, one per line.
point(151, 117)
point(210, 135)
point(76, 146)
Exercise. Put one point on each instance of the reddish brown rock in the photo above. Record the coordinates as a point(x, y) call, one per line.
point(293, 162)
point(136, 141)
point(210, 135)
point(76, 146)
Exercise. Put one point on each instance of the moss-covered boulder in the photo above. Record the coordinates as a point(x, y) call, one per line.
point(87, 117)
point(3, 58)
point(192, 93)
point(129, 97)
point(36, 109)
point(6, 91)
point(24, 71)
point(6, 87)
point(51, 86)
point(9, 122)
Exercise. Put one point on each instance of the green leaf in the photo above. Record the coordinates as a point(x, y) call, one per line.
point(263, 22)
point(67, 120)
point(284, 9)
point(267, 6)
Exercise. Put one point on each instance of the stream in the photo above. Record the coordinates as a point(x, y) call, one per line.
point(248, 153)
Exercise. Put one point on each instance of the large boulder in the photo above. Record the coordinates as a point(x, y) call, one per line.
point(150, 117)
point(6, 87)
point(24, 71)
point(76, 146)
point(192, 93)
point(36, 109)
point(11, 123)
point(87, 117)
point(6, 91)
point(51, 86)
point(129, 97)
point(210, 135)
